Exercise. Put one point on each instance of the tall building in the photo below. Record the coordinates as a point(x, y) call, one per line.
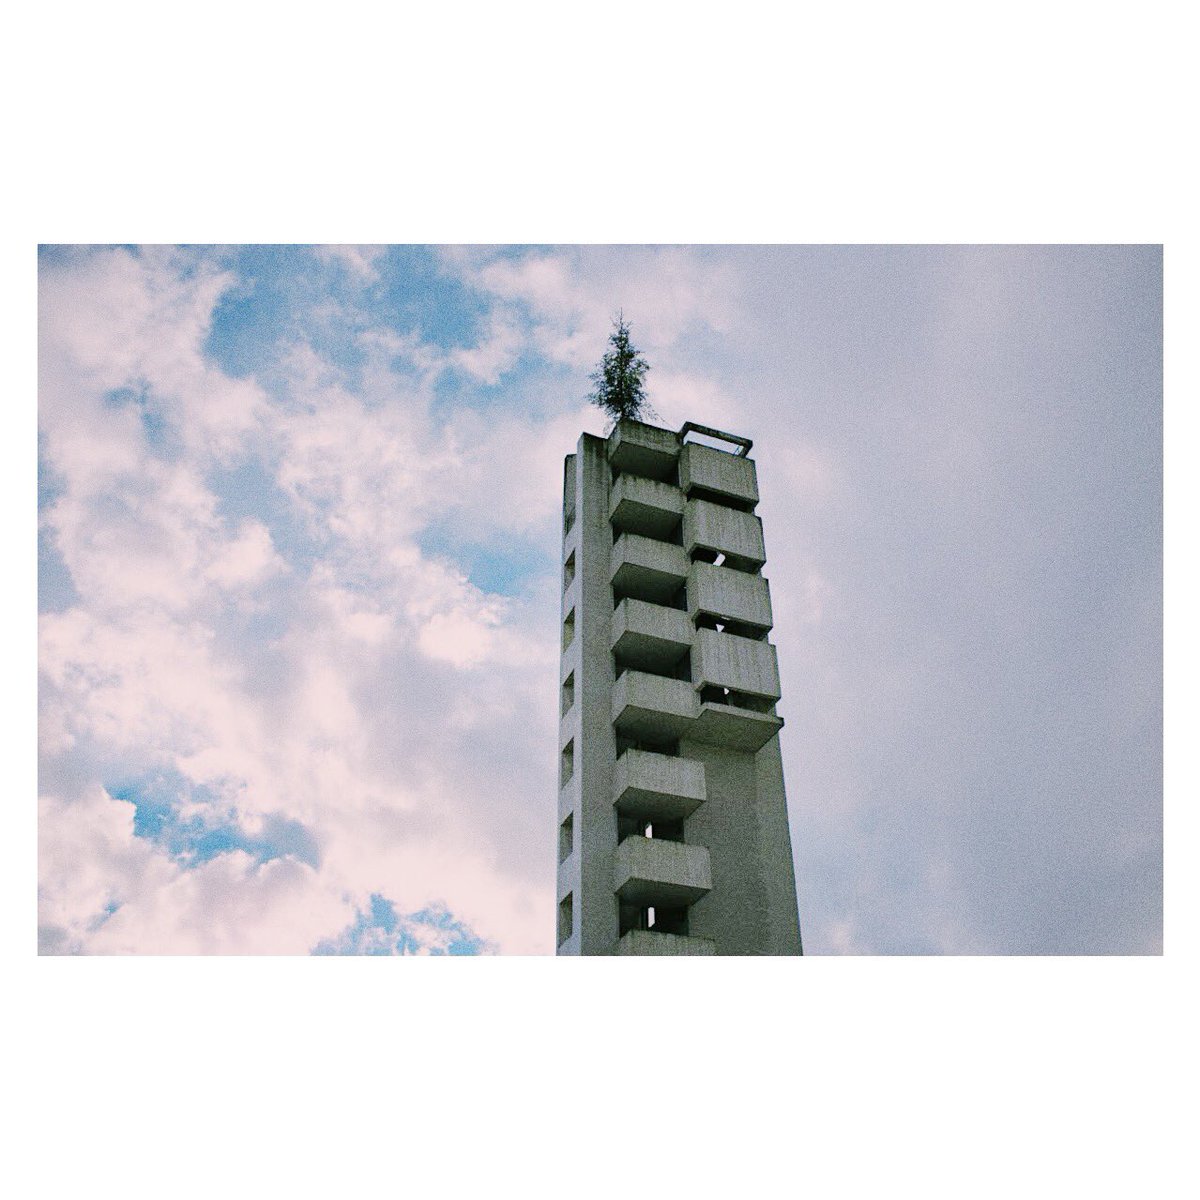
point(672, 822)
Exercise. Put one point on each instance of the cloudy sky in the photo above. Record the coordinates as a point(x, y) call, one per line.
point(298, 541)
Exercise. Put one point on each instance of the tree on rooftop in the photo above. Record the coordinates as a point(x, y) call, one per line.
point(620, 390)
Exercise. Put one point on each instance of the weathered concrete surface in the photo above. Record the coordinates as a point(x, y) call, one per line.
point(646, 506)
point(652, 707)
point(657, 786)
point(717, 471)
point(649, 569)
point(644, 450)
point(738, 663)
point(708, 526)
point(654, 871)
point(648, 636)
point(728, 594)
point(650, 942)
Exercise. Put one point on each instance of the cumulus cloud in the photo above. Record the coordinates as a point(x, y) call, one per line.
point(314, 684)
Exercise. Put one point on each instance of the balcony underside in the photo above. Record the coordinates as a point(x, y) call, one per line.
point(734, 728)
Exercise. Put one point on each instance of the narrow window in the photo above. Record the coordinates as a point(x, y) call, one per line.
point(568, 694)
point(568, 763)
point(565, 918)
point(569, 629)
point(566, 838)
point(569, 571)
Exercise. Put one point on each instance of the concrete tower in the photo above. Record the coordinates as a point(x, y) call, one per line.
point(672, 823)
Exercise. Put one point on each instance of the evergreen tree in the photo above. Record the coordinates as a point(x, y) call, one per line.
point(618, 379)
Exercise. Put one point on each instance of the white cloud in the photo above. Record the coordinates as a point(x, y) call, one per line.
point(335, 719)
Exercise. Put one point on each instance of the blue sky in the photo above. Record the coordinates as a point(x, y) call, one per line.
point(298, 535)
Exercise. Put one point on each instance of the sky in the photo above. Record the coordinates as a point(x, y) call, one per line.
point(298, 584)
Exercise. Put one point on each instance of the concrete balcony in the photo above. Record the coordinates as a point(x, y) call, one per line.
point(654, 871)
point(644, 450)
point(645, 506)
point(649, 942)
point(734, 727)
point(658, 787)
point(729, 595)
point(647, 569)
point(649, 637)
point(740, 664)
point(718, 474)
point(719, 530)
point(652, 708)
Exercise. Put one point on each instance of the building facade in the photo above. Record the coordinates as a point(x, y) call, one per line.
point(672, 822)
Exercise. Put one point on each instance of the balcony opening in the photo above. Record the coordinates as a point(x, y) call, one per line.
point(666, 831)
point(568, 694)
point(568, 763)
point(569, 571)
point(569, 521)
point(669, 749)
point(569, 629)
point(711, 497)
point(669, 920)
point(714, 694)
point(755, 633)
point(566, 917)
point(566, 838)
point(660, 830)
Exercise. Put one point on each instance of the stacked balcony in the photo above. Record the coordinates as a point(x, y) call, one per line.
point(648, 569)
point(657, 872)
point(653, 708)
point(691, 617)
point(645, 450)
point(739, 601)
point(723, 535)
point(657, 787)
point(650, 636)
point(645, 506)
point(705, 473)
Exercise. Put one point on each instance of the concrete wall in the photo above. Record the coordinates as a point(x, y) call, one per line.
point(717, 471)
point(723, 530)
point(734, 595)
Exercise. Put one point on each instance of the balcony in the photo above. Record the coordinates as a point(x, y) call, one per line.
point(647, 569)
point(742, 665)
point(650, 637)
point(643, 450)
point(729, 595)
point(717, 530)
point(648, 941)
point(658, 787)
point(719, 475)
point(734, 727)
point(656, 872)
point(652, 708)
point(645, 506)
